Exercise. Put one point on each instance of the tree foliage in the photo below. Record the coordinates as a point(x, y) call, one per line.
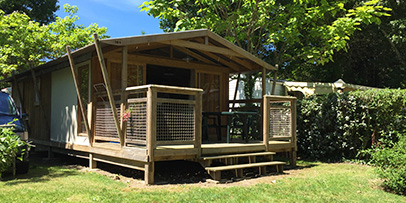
point(300, 29)
point(374, 56)
point(41, 11)
point(24, 42)
point(280, 32)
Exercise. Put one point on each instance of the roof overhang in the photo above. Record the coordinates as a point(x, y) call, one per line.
point(203, 46)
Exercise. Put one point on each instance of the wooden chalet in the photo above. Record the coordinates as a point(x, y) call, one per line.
point(137, 100)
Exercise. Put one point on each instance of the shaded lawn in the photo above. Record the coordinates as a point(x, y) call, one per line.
point(320, 183)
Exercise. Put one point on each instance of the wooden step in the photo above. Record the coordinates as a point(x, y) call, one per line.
point(215, 171)
point(238, 155)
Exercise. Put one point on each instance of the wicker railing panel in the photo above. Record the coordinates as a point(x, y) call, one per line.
point(175, 122)
point(105, 126)
point(137, 123)
point(280, 124)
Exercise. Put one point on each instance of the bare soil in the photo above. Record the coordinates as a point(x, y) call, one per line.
point(169, 175)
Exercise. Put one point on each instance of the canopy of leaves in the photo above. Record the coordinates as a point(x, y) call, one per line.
point(24, 42)
point(41, 11)
point(275, 30)
point(374, 57)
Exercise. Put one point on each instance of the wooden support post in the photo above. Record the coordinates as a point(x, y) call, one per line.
point(108, 88)
point(81, 105)
point(151, 123)
point(216, 175)
point(263, 82)
point(92, 162)
point(149, 172)
point(293, 131)
point(123, 105)
point(262, 170)
point(274, 80)
point(50, 153)
point(236, 90)
point(265, 121)
point(198, 124)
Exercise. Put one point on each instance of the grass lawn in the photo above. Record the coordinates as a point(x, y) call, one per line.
point(317, 182)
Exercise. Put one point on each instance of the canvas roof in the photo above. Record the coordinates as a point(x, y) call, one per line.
point(198, 47)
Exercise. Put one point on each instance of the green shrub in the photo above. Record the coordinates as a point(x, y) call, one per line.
point(390, 158)
point(11, 147)
point(339, 125)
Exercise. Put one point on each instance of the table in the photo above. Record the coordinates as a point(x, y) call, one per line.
point(216, 116)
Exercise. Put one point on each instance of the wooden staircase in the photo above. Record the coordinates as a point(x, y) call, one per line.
point(233, 162)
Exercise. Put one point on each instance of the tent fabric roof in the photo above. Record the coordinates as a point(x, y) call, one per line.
point(202, 45)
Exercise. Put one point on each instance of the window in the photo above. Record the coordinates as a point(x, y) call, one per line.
point(83, 72)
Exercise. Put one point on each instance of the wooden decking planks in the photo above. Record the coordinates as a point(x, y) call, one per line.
point(241, 166)
point(238, 155)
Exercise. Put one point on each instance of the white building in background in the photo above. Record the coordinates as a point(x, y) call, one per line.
point(297, 89)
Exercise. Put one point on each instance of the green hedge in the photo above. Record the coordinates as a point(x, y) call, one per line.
point(337, 126)
point(390, 158)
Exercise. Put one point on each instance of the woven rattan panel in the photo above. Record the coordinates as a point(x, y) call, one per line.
point(105, 126)
point(280, 122)
point(137, 123)
point(175, 122)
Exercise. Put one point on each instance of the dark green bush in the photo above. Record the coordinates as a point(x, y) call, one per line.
point(390, 158)
point(339, 125)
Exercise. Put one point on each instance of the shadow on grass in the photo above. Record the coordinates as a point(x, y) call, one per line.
point(38, 174)
point(41, 170)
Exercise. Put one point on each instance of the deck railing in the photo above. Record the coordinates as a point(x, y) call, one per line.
point(279, 119)
point(105, 129)
point(164, 115)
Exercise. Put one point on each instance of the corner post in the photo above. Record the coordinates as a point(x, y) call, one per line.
point(124, 83)
point(293, 131)
point(198, 124)
point(265, 119)
point(151, 135)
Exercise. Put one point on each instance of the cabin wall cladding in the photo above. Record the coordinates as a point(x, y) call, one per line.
point(37, 106)
point(64, 109)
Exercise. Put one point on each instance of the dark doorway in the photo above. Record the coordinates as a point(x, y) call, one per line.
point(161, 75)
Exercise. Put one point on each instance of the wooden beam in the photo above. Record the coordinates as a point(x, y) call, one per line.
point(194, 55)
point(157, 37)
point(247, 64)
point(165, 61)
point(229, 64)
point(203, 47)
point(241, 51)
point(143, 47)
point(108, 88)
point(82, 109)
point(235, 91)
